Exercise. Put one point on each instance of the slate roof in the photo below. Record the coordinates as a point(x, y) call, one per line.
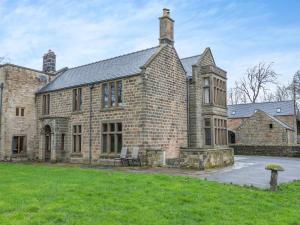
point(279, 122)
point(283, 108)
point(121, 66)
point(188, 62)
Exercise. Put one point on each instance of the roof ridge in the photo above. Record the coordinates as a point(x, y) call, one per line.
point(103, 60)
point(190, 56)
point(261, 102)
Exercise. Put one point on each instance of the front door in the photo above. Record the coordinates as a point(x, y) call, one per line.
point(47, 143)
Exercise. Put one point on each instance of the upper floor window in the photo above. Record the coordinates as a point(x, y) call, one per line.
point(112, 94)
point(219, 92)
point(20, 111)
point(46, 104)
point(77, 99)
point(206, 91)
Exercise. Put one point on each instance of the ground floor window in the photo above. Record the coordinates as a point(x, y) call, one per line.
point(207, 131)
point(77, 138)
point(112, 139)
point(220, 126)
point(18, 144)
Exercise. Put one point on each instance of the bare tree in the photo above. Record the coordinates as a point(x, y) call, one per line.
point(256, 81)
point(235, 96)
point(282, 93)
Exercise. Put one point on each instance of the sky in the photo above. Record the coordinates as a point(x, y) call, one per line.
point(241, 33)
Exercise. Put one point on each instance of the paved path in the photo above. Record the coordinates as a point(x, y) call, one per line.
point(247, 170)
point(250, 170)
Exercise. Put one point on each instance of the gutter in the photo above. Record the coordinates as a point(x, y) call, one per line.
point(1, 101)
point(90, 120)
point(188, 111)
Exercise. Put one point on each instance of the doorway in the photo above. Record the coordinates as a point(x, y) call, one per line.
point(47, 143)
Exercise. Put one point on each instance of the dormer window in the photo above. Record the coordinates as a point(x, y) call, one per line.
point(233, 113)
point(255, 110)
point(278, 110)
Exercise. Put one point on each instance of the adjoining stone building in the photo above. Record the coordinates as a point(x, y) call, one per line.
point(173, 109)
point(267, 123)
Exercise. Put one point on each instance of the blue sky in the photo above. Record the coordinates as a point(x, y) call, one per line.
point(240, 33)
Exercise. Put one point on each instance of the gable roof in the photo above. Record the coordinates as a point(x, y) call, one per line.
point(120, 66)
point(283, 108)
point(284, 125)
point(188, 62)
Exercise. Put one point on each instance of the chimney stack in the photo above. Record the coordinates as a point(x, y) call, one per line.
point(166, 28)
point(49, 62)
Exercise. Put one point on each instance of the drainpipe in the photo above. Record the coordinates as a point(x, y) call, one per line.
point(90, 120)
point(1, 100)
point(188, 111)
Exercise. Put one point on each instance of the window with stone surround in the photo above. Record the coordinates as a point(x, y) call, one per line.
point(20, 111)
point(112, 139)
point(62, 147)
point(77, 138)
point(207, 131)
point(219, 92)
point(112, 94)
point(46, 104)
point(77, 100)
point(19, 145)
point(206, 90)
point(220, 126)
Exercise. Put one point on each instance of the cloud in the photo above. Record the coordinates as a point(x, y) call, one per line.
point(240, 33)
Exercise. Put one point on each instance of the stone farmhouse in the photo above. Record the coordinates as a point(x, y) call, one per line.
point(266, 123)
point(173, 109)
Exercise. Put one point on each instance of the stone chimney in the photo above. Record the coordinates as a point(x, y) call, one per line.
point(166, 28)
point(49, 62)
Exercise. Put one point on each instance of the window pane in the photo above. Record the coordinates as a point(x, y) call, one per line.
point(79, 143)
point(17, 111)
point(207, 136)
point(113, 95)
point(206, 82)
point(22, 111)
point(112, 127)
point(15, 145)
point(74, 143)
point(74, 129)
point(119, 136)
point(79, 99)
point(120, 93)
point(105, 95)
point(104, 143)
point(79, 129)
point(119, 125)
point(104, 127)
point(112, 142)
point(206, 95)
point(207, 122)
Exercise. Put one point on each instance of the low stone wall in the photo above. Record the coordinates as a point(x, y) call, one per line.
point(206, 158)
point(155, 157)
point(267, 150)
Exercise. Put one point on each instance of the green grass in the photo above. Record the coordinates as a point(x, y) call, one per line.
point(39, 194)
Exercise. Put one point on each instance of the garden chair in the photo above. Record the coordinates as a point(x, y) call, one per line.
point(134, 159)
point(123, 157)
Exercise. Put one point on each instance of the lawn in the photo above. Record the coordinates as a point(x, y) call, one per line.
point(40, 194)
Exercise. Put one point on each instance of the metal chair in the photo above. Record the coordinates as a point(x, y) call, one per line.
point(123, 157)
point(134, 159)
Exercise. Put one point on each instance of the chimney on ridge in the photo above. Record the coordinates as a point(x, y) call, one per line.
point(49, 62)
point(166, 28)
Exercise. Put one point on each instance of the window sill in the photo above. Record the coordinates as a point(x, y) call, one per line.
point(76, 154)
point(109, 155)
point(15, 155)
point(112, 109)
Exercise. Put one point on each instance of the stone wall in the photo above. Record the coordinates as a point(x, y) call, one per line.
point(206, 158)
point(153, 115)
point(267, 150)
point(257, 130)
point(165, 123)
point(20, 85)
